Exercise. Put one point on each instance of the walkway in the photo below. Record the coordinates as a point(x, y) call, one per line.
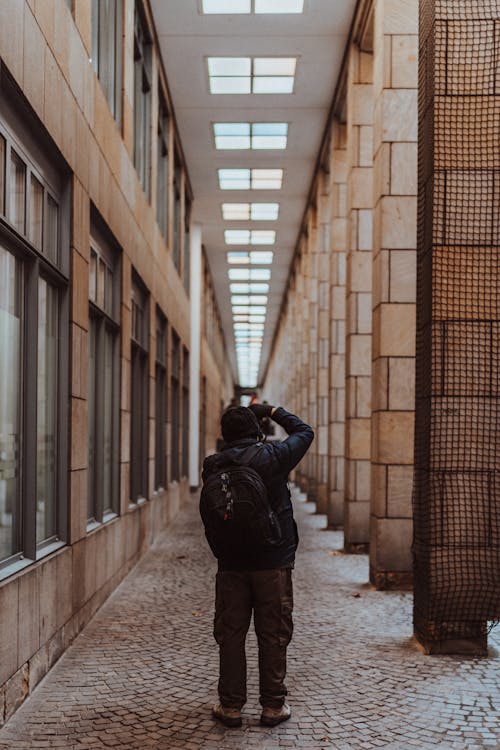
point(143, 672)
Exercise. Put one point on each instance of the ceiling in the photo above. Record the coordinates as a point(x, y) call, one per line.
point(317, 37)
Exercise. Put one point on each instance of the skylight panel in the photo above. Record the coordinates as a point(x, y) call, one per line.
point(242, 136)
point(245, 75)
point(259, 257)
point(238, 258)
point(247, 274)
point(236, 211)
point(251, 288)
point(279, 6)
point(235, 85)
point(264, 211)
point(227, 6)
point(234, 179)
point(229, 66)
point(249, 237)
point(260, 274)
point(274, 66)
point(267, 179)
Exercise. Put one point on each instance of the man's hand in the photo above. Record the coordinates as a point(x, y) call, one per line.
point(262, 410)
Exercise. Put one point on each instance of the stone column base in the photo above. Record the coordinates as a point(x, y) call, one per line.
point(387, 580)
point(351, 548)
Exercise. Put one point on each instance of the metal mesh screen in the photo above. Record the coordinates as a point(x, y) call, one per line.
point(457, 457)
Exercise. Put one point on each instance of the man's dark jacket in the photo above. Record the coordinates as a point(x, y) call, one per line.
point(273, 462)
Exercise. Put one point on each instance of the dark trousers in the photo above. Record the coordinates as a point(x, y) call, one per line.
point(269, 594)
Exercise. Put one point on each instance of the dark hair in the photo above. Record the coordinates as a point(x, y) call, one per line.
point(239, 422)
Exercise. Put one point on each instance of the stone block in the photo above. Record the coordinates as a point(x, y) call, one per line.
point(391, 544)
point(399, 223)
point(399, 113)
point(16, 691)
point(79, 434)
point(360, 269)
point(361, 188)
point(381, 277)
point(397, 330)
point(11, 36)
point(404, 169)
point(379, 490)
point(47, 585)
point(399, 491)
point(80, 291)
point(33, 48)
point(38, 666)
point(29, 616)
point(361, 101)
point(365, 144)
point(64, 571)
point(380, 384)
point(401, 383)
point(399, 16)
point(393, 437)
point(405, 61)
point(78, 504)
point(52, 96)
point(403, 276)
point(360, 359)
point(381, 171)
point(363, 397)
point(356, 523)
point(363, 481)
point(9, 608)
point(365, 229)
point(364, 312)
point(358, 438)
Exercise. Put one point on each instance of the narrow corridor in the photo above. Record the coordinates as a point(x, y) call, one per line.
point(143, 672)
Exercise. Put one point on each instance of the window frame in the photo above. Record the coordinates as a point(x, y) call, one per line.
point(175, 405)
point(105, 320)
point(161, 401)
point(139, 389)
point(143, 77)
point(21, 132)
point(163, 165)
point(112, 88)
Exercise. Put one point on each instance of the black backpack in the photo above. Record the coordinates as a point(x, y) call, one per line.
point(236, 512)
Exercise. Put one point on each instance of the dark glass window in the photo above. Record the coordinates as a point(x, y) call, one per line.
point(161, 401)
point(177, 211)
point(34, 255)
point(140, 392)
point(187, 240)
point(104, 379)
point(142, 100)
point(107, 43)
point(162, 167)
point(185, 412)
point(175, 370)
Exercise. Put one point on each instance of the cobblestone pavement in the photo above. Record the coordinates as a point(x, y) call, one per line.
point(143, 672)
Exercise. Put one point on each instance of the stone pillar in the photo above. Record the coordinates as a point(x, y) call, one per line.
point(456, 492)
point(394, 290)
point(195, 279)
point(312, 359)
point(338, 171)
point(359, 300)
point(323, 364)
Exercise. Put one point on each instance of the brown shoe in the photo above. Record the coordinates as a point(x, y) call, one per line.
point(231, 717)
point(272, 716)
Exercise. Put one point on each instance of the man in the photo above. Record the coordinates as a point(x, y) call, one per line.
point(258, 581)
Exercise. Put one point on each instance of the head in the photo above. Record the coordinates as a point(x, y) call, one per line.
point(238, 422)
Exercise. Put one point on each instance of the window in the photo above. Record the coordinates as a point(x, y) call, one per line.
point(187, 240)
point(251, 75)
point(250, 211)
point(104, 378)
point(185, 412)
point(162, 154)
point(34, 263)
point(142, 100)
point(177, 210)
point(139, 383)
point(231, 136)
point(175, 368)
point(161, 401)
point(107, 33)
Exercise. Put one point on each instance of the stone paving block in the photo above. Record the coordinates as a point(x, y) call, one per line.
point(143, 673)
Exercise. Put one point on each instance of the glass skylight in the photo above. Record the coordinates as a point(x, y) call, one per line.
point(249, 237)
point(254, 135)
point(251, 288)
point(250, 211)
point(243, 299)
point(251, 75)
point(255, 257)
point(249, 274)
point(227, 6)
point(250, 179)
point(249, 6)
